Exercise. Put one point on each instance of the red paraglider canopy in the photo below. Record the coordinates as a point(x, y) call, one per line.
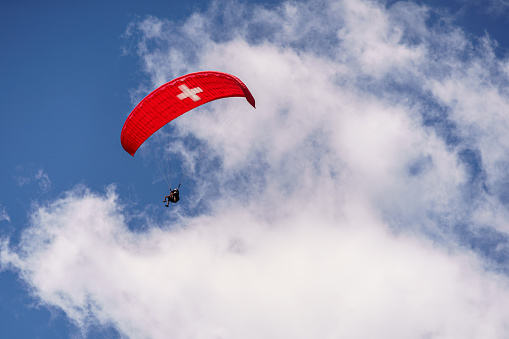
point(176, 98)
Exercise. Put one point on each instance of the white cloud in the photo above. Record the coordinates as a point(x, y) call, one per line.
point(338, 200)
point(233, 275)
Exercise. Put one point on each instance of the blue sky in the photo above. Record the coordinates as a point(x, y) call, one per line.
point(375, 165)
point(65, 93)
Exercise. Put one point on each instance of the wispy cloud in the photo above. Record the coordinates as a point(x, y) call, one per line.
point(27, 175)
point(496, 8)
point(369, 185)
point(3, 214)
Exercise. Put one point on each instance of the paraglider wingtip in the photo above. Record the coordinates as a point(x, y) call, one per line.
point(251, 99)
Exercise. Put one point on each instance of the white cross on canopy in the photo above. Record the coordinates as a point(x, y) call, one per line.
point(189, 93)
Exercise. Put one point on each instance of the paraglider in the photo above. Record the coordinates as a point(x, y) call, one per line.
point(176, 98)
point(173, 99)
point(172, 197)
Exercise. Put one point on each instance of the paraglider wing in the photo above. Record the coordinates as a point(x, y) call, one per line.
point(176, 98)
